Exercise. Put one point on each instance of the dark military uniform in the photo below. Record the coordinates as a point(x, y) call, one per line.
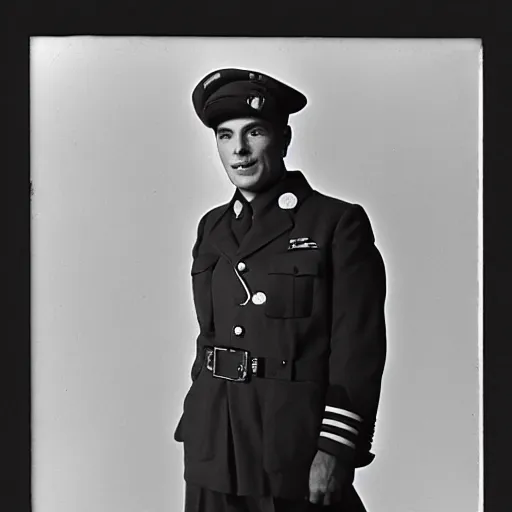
point(291, 347)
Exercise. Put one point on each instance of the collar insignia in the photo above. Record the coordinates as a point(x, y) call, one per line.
point(237, 208)
point(287, 201)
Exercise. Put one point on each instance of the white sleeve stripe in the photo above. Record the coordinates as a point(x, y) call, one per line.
point(339, 439)
point(343, 412)
point(339, 424)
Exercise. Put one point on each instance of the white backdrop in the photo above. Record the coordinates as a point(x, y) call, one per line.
point(123, 170)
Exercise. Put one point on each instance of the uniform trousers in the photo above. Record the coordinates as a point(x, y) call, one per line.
point(199, 499)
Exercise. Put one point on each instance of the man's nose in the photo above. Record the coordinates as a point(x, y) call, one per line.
point(241, 146)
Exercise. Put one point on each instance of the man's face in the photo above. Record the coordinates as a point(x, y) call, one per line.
point(251, 151)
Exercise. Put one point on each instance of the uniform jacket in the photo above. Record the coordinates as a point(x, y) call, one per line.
point(322, 321)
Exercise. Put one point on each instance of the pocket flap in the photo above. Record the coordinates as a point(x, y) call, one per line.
point(204, 262)
point(305, 265)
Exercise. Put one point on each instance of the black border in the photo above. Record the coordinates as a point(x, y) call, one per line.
point(321, 18)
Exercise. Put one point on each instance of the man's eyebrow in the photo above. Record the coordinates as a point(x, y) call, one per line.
point(246, 128)
point(255, 124)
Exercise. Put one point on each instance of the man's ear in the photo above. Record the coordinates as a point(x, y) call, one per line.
point(287, 137)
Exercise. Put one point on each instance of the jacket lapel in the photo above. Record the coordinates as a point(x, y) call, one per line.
point(270, 222)
point(270, 226)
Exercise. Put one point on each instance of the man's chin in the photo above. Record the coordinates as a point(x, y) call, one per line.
point(252, 183)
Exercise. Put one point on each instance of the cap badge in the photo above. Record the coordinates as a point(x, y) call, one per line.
point(237, 208)
point(287, 201)
point(256, 102)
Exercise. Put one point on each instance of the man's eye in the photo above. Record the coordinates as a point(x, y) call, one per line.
point(223, 136)
point(256, 132)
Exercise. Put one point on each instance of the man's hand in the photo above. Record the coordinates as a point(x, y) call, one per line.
point(327, 479)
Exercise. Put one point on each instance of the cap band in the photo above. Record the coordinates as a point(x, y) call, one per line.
point(224, 108)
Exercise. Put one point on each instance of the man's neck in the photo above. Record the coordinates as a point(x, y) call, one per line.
point(250, 195)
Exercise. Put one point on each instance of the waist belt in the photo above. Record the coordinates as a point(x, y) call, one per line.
point(239, 365)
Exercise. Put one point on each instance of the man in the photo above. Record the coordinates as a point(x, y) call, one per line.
point(289, 291)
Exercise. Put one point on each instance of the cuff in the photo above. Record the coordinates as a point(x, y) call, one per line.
point(339, 433)
point(341, 429)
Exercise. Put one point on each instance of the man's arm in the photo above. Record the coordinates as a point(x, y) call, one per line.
point(358, 340)
point(356, 363)
point(196, 366)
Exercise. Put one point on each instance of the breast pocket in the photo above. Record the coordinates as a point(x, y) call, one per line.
point(291, 284)
point(202, 271)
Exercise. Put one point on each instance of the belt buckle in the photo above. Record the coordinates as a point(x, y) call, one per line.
point(242, 367)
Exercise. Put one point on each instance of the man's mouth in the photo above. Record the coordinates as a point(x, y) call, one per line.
point(242, 166)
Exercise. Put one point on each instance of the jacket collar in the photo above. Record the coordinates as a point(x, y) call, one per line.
point(270, 219)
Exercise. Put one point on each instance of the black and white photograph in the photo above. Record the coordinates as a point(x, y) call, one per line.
point(256, 274)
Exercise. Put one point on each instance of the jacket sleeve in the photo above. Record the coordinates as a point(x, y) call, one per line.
point(358, 341)
point(196, 366)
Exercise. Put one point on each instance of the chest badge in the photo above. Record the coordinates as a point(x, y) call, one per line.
point(259, 298)
point(301, 243)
